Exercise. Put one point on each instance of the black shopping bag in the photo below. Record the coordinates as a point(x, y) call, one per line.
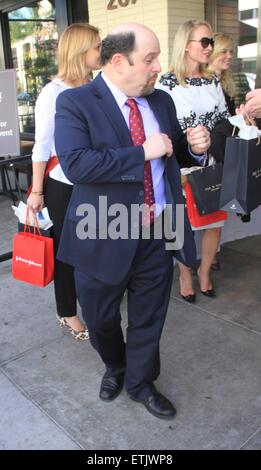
point(206, 185)
point(241, 182)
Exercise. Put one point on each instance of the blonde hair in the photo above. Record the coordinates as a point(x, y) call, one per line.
point(222, 41)
point(184, 33)
point(73, 45)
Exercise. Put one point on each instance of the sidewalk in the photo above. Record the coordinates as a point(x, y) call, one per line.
point(211, 367)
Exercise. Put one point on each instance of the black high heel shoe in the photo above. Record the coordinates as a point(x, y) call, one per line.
point(191, 298)
point(209, 293)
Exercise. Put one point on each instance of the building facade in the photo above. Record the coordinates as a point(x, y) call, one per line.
point(29, 32)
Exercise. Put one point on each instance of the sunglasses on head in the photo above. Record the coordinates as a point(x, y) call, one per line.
point(205, 42)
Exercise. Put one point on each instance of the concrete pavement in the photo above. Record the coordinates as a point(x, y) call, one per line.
point(211, 356)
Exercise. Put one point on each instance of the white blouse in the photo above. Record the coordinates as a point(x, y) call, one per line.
point(45, 107)
point(201, 101)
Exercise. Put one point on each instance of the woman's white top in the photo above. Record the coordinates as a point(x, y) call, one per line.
point(45, 107)
point(201, 101)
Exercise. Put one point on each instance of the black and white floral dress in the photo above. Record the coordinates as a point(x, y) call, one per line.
point(200, 101)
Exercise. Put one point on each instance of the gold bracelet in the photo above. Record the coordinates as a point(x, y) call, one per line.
point(38, 193)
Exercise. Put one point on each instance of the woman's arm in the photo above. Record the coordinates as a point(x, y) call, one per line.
point(36, 199)
point(44, 138)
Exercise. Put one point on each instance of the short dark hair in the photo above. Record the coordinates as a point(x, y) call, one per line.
point(122, 43)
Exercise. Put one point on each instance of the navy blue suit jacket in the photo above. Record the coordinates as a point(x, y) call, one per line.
point(97, 155)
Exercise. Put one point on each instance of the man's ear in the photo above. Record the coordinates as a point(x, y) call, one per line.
point(118, 61)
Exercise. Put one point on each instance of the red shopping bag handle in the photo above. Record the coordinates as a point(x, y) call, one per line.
point(27, 223)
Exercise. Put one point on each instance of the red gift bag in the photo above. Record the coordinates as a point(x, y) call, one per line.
point(194, 216)
point(33, 258)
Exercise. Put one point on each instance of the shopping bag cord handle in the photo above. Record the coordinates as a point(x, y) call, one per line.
point(27, 223)
point(251, 121)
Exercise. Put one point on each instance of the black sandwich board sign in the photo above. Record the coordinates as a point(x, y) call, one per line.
point(9, 126)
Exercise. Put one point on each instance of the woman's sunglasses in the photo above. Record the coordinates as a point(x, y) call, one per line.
point(205, 42)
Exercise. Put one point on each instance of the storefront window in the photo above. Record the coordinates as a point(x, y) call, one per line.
point(34, 38)
point(247, 47)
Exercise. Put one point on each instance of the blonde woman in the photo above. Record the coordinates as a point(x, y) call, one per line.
point(199, 100)
point(220, 63)
point(78, 56)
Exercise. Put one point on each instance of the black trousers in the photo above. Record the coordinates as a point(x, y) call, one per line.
point(57, 197)
point(149, 284)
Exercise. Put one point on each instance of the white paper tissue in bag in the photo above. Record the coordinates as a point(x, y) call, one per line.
point(246, 132)
point(43, 218)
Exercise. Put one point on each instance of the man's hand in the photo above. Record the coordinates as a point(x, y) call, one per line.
point(253, 103)
point(198, 138)
point(157, 145)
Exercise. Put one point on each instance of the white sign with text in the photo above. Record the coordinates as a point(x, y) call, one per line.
point(9, 126)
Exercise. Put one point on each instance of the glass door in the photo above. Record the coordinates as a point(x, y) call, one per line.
point(246, 52)
point(33, 38)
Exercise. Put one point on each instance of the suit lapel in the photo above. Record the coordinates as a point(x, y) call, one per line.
point(160, 114)
point(109, 106)
point(159, 111)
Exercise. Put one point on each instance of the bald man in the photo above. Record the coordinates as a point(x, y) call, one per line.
point(115, 140)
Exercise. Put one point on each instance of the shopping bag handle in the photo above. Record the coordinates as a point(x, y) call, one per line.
point(249, 119)
point(252, 123)
point(27, 223)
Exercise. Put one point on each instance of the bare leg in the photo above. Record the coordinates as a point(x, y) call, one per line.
point(210, 242)
point(185, 280)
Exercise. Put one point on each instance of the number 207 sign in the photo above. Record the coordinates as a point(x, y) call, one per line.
point(113, 4)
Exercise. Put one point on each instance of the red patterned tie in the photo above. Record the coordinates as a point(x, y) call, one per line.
point(138, 138)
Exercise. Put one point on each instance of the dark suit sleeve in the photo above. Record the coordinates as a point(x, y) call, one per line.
point(81, 159)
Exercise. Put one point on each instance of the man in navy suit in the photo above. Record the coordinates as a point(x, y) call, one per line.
point(99, 154)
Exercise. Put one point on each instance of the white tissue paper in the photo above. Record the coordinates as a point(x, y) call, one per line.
point(187, 171)
point(246, 132)
point(43, 218)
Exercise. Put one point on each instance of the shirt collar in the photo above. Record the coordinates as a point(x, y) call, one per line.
point(120, 97)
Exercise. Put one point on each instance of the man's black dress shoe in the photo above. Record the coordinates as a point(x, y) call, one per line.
point(157, 405)
point(111, 387)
